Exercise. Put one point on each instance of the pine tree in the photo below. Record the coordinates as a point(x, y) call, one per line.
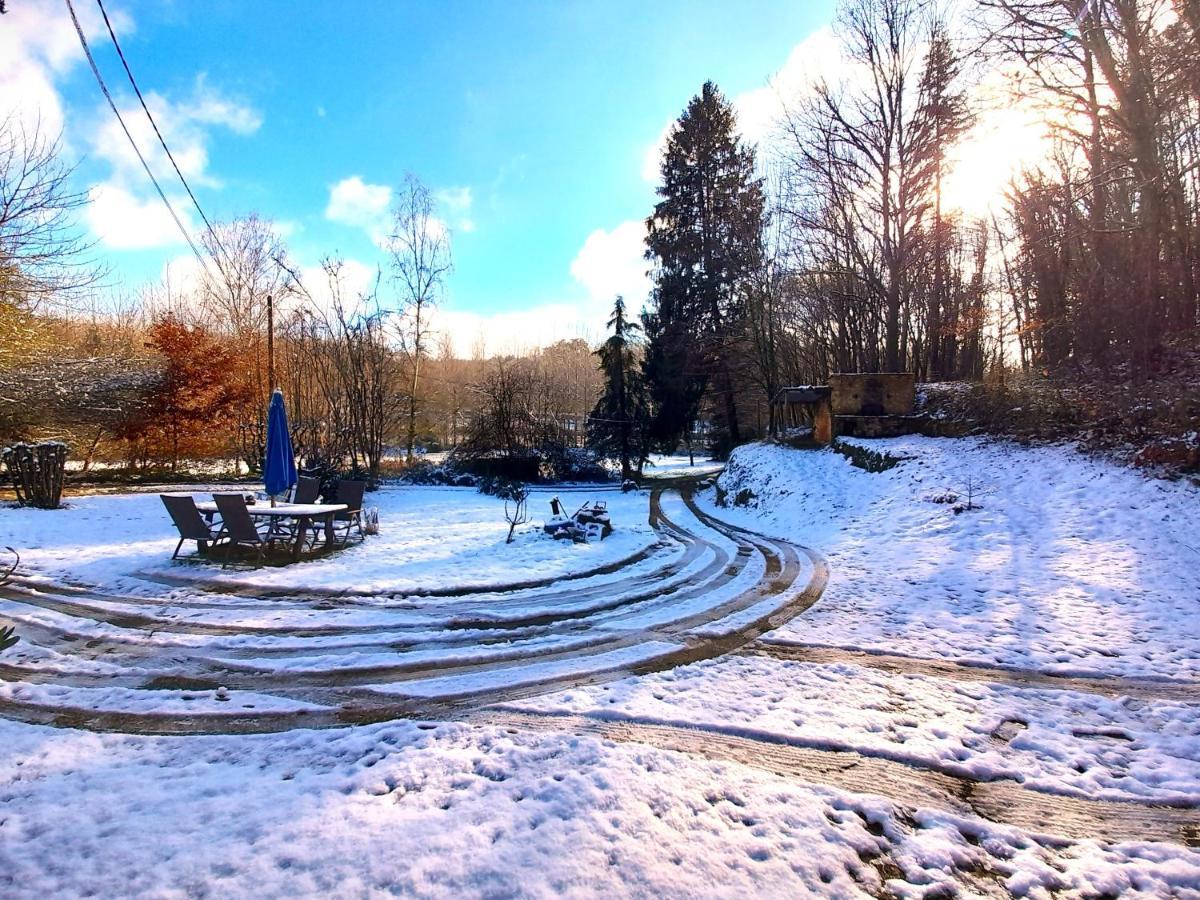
point(617, 427)
point(705, 238)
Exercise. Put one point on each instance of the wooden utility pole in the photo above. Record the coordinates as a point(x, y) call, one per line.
point(270, 345)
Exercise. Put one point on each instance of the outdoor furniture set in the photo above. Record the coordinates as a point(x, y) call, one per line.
point(590, 522)
point(233, 520)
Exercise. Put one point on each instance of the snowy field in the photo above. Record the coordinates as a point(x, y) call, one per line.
point(429, 538)
point(1002, 701)
point(1071, 566)
point(662, 465)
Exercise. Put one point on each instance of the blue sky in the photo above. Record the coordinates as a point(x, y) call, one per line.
point(534, 122)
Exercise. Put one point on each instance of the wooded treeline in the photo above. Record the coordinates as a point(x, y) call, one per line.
point(837, 245)
point(175, 379)
point(859, 261)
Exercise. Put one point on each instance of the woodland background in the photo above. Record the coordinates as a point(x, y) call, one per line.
point(1069, 310)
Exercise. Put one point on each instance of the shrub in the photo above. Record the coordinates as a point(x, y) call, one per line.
point(37, 472)
point(557, 462)
point(504, 488)
point(866, 459)
point(427, 474)
point(744, 497)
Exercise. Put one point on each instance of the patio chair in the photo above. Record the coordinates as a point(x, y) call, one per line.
point(239, 526)
point(350, 493)
point(190, 524)
point(308, 490)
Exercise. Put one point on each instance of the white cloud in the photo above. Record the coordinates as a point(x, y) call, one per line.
point(360, 204)
point(613, 262)
point(357, 279)
point(759, 110)
point(186, 125)
point(209, 106)
point(517, 331)
point(38, 45)
point(610, 262)
point(181, 278)
point(653, 155)
point(126, 212)
point(123, 221)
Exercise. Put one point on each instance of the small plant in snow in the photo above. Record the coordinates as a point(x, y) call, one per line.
point(7, 636)
point(968, 495)
point(8, 573)
point(722, 499)
point(516, 511)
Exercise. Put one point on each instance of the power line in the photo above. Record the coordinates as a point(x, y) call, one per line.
point(146, 109)
point(113, 106)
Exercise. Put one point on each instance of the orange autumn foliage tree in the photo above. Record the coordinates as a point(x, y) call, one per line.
point(190, 410)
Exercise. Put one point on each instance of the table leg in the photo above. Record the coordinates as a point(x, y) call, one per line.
point(329, 532)
point(301, 531)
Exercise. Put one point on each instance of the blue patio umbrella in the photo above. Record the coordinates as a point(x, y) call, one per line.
point(279, 466)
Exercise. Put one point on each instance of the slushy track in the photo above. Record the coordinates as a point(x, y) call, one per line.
point(705, 559)
point(706, 590)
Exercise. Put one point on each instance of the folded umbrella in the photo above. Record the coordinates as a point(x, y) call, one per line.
point(279, 466)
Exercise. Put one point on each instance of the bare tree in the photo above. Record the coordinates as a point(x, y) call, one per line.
point(42, 253)
point(419, 245)
point(250, 266)
point(357, 370)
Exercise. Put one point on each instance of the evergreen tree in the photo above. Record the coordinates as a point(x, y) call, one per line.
point(705, 238)
point(617, 427)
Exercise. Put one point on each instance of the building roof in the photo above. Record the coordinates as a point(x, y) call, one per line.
point(803, 393)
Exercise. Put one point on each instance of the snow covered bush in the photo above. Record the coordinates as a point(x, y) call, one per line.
point(37, 472)
point(426, 474)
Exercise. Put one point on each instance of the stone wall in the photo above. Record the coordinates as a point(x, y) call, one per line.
point(880, 394)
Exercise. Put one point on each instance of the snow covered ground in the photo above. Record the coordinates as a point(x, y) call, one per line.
point(429, 538)
point(662, 465)
point(1047, 644)
point(457, 810)
point(1072, 565)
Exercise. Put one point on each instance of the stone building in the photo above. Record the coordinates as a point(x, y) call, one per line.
point(868, 405)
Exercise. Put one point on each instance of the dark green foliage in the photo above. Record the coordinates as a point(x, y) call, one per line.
point(866, 459)
point(705, 239)
point(7, 636)
point(556, 462)
point(618, 426)
point(504, 488)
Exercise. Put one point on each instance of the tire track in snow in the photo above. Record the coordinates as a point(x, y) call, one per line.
point(903, 783)
point(1003, 802)
point(897, 664)
point(123, 637)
